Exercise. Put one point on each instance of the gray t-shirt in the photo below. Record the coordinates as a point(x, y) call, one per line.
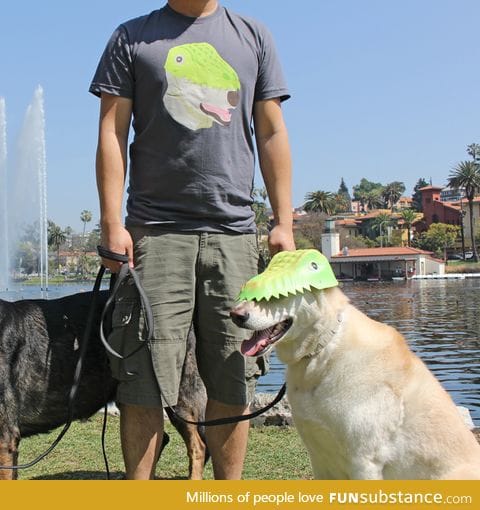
point(193, 82)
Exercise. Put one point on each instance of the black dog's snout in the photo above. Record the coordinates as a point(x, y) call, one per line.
point(239, 317)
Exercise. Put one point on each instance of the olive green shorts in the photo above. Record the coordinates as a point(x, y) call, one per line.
point(190, 278)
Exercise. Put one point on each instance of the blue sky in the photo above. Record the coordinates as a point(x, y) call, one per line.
point(382, 89)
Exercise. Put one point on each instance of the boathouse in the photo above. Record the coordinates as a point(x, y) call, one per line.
point(377, 263)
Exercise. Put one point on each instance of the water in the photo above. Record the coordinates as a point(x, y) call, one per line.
point(23, 196)
point(439, 318)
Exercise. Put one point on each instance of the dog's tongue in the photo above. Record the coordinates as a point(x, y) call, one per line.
point(257, 343)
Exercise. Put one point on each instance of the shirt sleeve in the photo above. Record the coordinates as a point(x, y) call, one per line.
point(114, 74)
point(270, 81)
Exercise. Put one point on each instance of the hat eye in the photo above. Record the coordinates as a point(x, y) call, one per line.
point(314, 266)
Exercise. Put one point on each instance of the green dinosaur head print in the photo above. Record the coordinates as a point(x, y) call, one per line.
point(290, 272)
point(202, 87)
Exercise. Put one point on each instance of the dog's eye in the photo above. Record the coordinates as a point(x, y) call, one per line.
point(314, 266)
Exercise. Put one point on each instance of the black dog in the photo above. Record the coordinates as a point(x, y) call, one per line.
point(39, 347)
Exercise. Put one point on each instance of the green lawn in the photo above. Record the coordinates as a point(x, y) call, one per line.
point(274, 453)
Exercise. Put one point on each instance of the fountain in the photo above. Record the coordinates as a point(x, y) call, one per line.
point(4, 255)
point(23, 194)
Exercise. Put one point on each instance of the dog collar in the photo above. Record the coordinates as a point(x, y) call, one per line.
point(290, 272)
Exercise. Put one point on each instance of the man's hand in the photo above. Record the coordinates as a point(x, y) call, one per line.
point(280, 238)
point(116, 238)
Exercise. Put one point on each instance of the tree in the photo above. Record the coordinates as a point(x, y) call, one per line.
point(467, 175)
point(341, 203)
point(368, 192)
point(373, 199)
point(259, 207)
point(56, 237)
point(344, 193)
point(380, 223)
point(85, 217)
point(320, 201)
point(417, 196)
point(474, 150)
point(392, 193)
point(408, 216)
point(438, 238)
point(308, 233)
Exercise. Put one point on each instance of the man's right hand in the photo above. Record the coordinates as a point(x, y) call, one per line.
point(116, 238)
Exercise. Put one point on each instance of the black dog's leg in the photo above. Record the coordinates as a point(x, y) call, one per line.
point(9, 454)
point(191, 404)
point(196, 447)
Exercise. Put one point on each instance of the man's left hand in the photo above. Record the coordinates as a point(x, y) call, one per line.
point(281, 239)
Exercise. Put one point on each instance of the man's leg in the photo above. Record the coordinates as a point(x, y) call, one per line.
point(226, 262)
point(168, 283)
point(141, 433)
point(227, 444)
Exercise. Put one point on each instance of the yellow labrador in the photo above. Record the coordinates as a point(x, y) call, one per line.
point(365, 406)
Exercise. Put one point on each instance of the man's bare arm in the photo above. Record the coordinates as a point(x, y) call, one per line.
point(276, 166)
point(111, 167)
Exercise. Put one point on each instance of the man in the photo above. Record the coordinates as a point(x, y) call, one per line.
point(192, 75)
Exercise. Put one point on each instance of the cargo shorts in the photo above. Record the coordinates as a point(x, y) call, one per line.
point(189, 279)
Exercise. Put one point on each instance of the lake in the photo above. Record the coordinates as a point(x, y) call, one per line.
point(439, 318)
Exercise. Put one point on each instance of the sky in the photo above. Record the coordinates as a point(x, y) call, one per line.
point(387, 90)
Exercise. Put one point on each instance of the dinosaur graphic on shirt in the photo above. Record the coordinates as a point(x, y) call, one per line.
point(203, 88)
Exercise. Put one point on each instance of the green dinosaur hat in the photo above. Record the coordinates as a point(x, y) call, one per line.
point(290, 272)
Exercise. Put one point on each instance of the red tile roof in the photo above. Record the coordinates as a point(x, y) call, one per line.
point(390, 251)
point(439, 188)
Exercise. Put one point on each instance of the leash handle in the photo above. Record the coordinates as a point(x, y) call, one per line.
point(111, 255)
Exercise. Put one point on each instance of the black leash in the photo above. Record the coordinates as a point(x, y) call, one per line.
point(124, 272)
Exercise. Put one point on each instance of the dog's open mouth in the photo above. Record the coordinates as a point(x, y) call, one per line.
point(262, 340)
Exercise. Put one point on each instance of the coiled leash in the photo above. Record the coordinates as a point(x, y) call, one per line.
point(126, 271)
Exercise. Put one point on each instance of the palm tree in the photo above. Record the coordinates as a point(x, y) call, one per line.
point(262, 220)
point(392, 193)
point(380, 223)
point(342, 203)
point(56, 237)
point(85, 217)
point(320, 201)
point(467, 175)
point(373, 199)
point(408, 216)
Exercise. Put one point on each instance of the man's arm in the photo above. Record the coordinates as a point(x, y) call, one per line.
point(276, 166)
point(111, 167)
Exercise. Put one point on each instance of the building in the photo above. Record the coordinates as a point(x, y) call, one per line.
point(437, 211)
point(452, 194)
point(376, 263)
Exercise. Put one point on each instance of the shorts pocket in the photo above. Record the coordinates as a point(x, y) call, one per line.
point(125, 339)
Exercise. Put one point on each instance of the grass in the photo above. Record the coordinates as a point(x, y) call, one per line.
point(274, 453)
